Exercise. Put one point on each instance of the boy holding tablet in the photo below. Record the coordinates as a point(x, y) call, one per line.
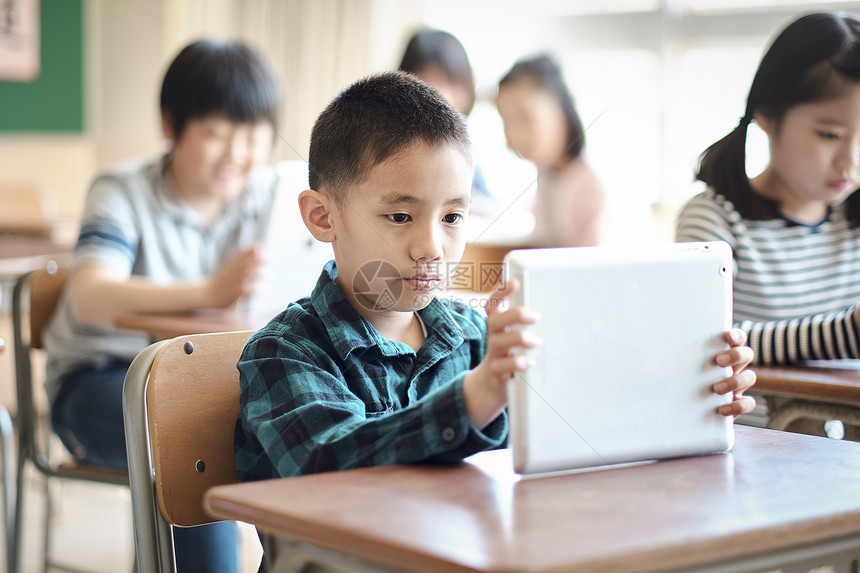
point(371, 368)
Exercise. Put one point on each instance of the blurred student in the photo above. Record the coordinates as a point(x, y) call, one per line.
point(440, 60)
point(542, 125)
point(171, 233)
point(795, 227)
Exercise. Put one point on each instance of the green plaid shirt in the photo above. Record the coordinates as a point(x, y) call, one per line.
point(322, 390)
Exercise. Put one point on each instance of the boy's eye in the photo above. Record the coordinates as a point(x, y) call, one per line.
point(216, 133)
point(828, 135)
point(452, 218)
point(399, 217)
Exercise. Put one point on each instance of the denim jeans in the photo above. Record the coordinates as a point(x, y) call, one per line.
point(87, 416)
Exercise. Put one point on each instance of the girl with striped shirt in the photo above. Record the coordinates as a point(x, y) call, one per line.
point(794, 228)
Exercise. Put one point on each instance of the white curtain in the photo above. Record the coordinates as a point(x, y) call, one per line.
point(317, 47)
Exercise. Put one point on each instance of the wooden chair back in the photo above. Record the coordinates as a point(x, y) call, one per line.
point(193, 404)
point(46, 286)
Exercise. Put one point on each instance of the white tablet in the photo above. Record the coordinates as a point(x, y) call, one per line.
point(625, 369)
point(294, 259)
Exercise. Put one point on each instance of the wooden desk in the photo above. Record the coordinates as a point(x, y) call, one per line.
point(21, 253)
point(820, 384)
point(776, 497)
point(160, 326)
point(817, 393)
point(170, 325)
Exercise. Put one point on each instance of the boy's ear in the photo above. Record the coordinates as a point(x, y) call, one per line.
point(317, 215)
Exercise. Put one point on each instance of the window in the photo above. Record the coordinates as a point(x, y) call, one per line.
point(656, 81)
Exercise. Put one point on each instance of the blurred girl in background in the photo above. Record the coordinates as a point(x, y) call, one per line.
point(440, 60)
point(542, 125)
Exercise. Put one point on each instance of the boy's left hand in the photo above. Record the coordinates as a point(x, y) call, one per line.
point(738, 357)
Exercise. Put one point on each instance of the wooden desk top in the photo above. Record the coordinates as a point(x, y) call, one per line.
point(21, 253)
point(773, 491)
point(822, 384)
point(163, 326)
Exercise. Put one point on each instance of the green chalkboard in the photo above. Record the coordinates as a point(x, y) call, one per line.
point(54, 102)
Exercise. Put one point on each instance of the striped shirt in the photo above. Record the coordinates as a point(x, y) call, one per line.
point(323, 390)
point(796, 286)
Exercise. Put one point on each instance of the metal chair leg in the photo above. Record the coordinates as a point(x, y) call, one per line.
point(46, 554)
point(7, 443)
point(15, 548)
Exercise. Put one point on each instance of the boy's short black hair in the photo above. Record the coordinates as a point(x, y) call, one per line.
point(374, 119)
point(210, 77)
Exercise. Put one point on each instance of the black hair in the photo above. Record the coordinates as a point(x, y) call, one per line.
point(374, 119)
point(812, 59)
point(546, 74)
point(428, 47)
point(211, 77)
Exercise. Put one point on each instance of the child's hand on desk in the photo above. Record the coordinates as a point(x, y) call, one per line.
point(235, 278)
point(485, 387)
point(738, 357)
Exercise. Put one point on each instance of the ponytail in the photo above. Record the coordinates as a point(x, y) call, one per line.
point(722, 166)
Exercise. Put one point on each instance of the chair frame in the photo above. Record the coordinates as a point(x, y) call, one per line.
point(7, 448)
point(168, 483)
point(152, 534)
point(29, 449)
point(166, 408)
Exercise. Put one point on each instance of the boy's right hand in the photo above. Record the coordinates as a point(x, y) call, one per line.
point(485, 387)
point(235, 278)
